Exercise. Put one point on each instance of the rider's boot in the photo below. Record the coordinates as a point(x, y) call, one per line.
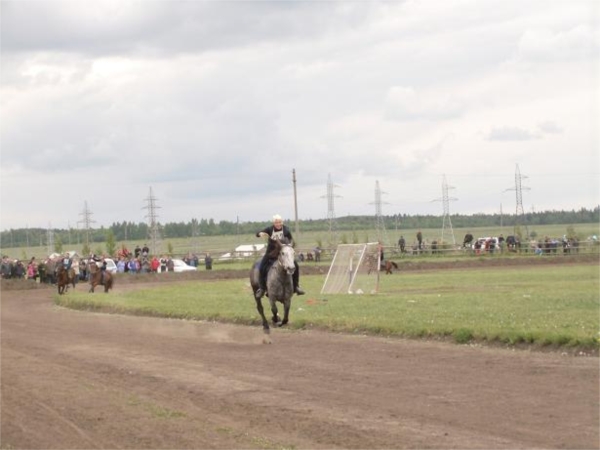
point(261, 290)
point(299, 291)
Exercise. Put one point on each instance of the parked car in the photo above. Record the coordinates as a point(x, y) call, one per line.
point(179, 265)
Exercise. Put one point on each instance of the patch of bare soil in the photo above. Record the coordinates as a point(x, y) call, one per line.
point(82, 380)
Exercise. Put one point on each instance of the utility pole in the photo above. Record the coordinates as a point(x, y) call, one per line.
point(297, 231)
point(49, 239)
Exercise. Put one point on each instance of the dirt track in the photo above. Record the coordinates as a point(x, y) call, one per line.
point(82, 380)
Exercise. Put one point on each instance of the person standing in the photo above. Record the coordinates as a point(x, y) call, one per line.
point(420, 240)
point(31, 269)
point(402, 244)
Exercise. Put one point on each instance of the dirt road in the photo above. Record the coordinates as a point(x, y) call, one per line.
point(82, 380)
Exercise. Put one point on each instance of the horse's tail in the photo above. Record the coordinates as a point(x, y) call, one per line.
point(394, 264)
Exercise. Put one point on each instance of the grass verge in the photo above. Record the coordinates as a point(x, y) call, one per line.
point(550, 306)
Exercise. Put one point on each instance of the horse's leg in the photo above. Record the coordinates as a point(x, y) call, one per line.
point(261, 311)
point(92, 287)
point(286, 312)
point(274, 311)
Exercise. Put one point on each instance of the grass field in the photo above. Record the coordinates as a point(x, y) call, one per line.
point(555, 305)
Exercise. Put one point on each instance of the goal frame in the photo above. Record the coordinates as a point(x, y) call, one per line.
point(354, 270)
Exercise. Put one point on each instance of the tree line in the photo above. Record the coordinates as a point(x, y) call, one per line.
point(130, 231)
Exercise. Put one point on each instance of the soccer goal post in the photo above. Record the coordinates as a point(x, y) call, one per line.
point(354, 270)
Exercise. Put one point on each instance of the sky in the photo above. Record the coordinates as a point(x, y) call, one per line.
point(210, 107)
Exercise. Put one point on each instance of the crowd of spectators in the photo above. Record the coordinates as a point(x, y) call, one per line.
point(138, 261)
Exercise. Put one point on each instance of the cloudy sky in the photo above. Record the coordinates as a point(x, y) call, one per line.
point(211, 105)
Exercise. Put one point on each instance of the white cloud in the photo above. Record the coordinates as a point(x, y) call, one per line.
point(510, 134)
point(546, 45)
point(404, 103)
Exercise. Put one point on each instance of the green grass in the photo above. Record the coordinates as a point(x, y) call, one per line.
point(554, 305)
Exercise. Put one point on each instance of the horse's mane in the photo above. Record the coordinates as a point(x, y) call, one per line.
point(274, 253)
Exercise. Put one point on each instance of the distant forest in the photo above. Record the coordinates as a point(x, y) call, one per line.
point(129, 231)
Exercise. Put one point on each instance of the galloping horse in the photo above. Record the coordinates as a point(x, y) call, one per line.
point(63, 278)
point(96, 276)
point(279, 284)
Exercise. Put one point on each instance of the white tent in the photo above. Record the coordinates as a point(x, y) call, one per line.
point(249, 250)
point(244, 251)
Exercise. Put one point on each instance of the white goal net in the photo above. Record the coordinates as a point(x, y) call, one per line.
point(354, 270)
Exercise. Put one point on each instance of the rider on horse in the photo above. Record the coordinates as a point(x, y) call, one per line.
point(67, 261)
point(275, 232)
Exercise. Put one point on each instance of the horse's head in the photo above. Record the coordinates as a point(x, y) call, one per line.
point(286, 258)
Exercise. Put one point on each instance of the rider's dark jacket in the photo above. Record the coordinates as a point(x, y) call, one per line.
point(275, 235)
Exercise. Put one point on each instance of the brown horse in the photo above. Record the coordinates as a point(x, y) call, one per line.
point(387, 265)
point(99, 277)
point(64, 277)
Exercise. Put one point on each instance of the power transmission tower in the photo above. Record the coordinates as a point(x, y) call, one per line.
point(50, 239)
point(87, 222)
point(520, 212)
point(379, 222)
point(446, 204)
point(195, 243)
point(333, 232)
point(152, 217)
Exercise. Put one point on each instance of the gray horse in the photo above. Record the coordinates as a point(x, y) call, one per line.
point(279, 284)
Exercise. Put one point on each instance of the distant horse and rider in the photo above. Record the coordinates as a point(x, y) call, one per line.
point(64, 277)
point(99, 277)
